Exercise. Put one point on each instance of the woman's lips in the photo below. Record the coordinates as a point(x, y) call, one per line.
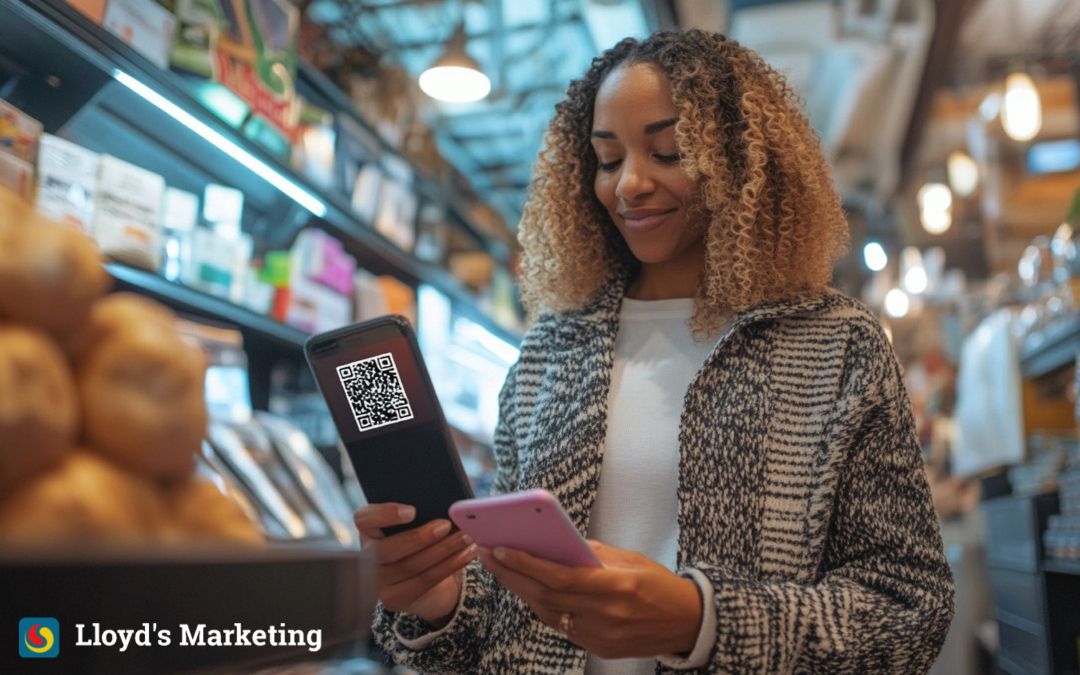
point(642, 223)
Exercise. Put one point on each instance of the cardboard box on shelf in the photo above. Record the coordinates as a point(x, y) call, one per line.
point(16, 174)
point(67, 181)
point(19, 133)
point(145, 25)
point(127, 215)
point(92, 9)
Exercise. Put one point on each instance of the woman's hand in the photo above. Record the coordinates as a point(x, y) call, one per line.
point(419, 570)
point(632, 607)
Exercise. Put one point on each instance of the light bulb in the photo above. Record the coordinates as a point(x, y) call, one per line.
point(963, 173)
point(874, 256)
point(896, 303)
point(455, 84)
point(1021, 113)
point(935, 204)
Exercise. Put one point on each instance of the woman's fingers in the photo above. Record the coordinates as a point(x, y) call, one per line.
point(407, 591)
point(422, 558)
point(372, 518)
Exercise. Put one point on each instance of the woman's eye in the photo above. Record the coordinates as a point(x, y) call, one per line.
point(668, 159)
point(608, 166)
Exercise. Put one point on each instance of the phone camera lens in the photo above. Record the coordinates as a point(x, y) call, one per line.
point(471, 516)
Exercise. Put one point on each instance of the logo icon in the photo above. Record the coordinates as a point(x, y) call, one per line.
point(39, 637)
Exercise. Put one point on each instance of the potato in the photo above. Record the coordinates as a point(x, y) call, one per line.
point(50, 273)
point(83, 499)
point(141, 388)
point(198, 511)
point(38, 408)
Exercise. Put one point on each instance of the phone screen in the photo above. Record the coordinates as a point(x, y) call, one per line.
point(385, 411)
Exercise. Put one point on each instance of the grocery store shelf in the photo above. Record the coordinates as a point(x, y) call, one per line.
point(68, 48)
point(1062, 566)
point(331, 591)
point(1051, 347)
point(185, 299)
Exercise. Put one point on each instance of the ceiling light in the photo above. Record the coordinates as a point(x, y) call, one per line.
point(915, 280)
point(455, 76)
point(874, 256)
point(1021, 114)
point(963, 173)
point(896, 303)
point(935, 206)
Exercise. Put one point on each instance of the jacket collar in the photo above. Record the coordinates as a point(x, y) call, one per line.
point(602, 311)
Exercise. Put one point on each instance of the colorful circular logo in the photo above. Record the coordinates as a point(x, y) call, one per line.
point(39, 639)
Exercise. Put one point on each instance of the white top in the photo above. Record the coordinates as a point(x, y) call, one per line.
point(636, 507)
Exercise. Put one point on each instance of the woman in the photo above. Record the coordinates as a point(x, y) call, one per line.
point(733, 436)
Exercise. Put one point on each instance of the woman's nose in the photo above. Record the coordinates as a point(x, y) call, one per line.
point(634, 181)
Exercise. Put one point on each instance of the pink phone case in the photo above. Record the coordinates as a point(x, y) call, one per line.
point(532, 521)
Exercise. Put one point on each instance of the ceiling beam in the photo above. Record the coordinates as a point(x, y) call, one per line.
point(491, 34)
point(949, 18)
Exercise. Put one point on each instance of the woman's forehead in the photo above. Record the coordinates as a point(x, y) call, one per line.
point(631, 93)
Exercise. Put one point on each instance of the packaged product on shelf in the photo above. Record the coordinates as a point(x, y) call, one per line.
point(431, 234)
point(144, 25)
point(223, 208)
point(19, 133)
point(313, 154)
point(255, 56)
point(91, 9)
point(211, 263)
point(198, 21)
point(365, 192)
point(258, 295)
point(473, 269)
point(400, 298)
point(16, 174)
point(368, 296)
point(127, 213)
point(67, 177)
point(321, 258)
point(179, 213)
point(314, 308)
point(276, 272)
point(396, 217)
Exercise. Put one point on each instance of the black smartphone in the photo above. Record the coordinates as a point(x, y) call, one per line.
point(384, 407)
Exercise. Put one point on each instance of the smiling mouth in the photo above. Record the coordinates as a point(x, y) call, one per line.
point(646, 223)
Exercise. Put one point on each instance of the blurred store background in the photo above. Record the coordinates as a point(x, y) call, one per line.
point(269, 169)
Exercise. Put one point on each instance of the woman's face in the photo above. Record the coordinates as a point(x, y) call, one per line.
point(638, 177)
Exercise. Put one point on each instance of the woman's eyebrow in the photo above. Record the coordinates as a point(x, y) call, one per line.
point(650, 128)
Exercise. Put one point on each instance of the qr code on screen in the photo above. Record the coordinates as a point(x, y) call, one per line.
point(375, 393)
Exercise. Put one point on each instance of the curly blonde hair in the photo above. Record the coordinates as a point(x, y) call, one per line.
point(772, 221)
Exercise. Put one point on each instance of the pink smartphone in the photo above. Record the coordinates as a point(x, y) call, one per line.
point(532, 521)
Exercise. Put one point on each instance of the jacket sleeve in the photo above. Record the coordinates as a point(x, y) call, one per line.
point(409, 640)
point(884, 599)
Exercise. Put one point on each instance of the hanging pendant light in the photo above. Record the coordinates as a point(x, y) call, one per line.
point(1021, 111)
point(455, 76)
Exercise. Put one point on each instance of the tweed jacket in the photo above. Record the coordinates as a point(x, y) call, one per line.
point(801, 497)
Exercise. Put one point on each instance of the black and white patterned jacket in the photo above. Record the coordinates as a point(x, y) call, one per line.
point(801, 496)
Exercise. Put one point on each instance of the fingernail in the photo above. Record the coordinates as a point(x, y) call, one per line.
point(441, 529)
point(406, 513)
point(499, 553)
point(466, 539)
point(470, 552)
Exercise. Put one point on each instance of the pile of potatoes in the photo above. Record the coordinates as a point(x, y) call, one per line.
point(101, 404)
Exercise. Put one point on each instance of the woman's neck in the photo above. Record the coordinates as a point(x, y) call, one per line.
point(676, 278)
